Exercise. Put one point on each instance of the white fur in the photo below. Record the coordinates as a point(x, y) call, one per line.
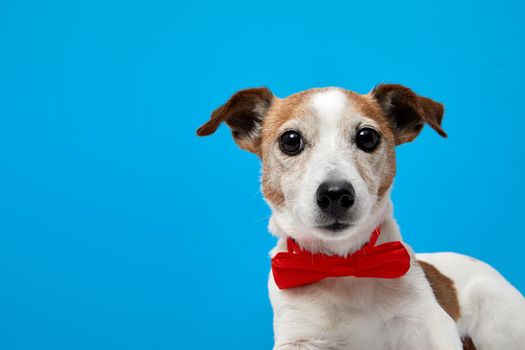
point(361, 313)
point(492, 310)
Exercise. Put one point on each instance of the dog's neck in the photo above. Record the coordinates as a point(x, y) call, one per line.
point(343, 247)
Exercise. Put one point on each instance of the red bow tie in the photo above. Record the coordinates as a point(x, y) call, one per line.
point(298, 267)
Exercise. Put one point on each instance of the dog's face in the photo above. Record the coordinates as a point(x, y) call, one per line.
point(328, 154)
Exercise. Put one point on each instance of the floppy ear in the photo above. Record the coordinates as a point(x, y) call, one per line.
point(407, 111)
point(244, 113)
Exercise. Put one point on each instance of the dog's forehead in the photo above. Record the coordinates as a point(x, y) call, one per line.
point(327, 105)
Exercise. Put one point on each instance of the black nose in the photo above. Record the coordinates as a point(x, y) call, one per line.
point(335, 197)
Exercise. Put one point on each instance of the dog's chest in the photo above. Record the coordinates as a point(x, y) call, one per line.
point(342, 312)
point(363, 311)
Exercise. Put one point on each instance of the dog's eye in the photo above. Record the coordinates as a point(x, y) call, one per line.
point(291, 142)
point(367, 139)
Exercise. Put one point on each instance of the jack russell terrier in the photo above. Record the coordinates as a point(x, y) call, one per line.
point(342, 278)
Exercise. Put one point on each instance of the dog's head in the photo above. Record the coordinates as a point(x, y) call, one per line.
point(328, 154)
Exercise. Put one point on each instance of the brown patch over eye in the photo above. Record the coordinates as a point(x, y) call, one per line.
point(369, 107)
point(280, 112)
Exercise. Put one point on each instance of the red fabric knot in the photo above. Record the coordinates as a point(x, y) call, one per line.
point(298, 267)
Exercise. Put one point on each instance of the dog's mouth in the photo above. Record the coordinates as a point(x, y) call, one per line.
point(336, 226)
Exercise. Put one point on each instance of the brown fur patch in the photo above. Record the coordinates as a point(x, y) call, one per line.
point(271, 192)
point(407, 111)
point(273, 195)
point(244, 113)
point(443, 288)
point(468, 344)
point(371, 109)
point(280, 112)
point(283, 110)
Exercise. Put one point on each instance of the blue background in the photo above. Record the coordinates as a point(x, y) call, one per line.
point(120, 229)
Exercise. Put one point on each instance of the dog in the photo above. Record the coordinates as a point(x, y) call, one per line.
point(328, 163)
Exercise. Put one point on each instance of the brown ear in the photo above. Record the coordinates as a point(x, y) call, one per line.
point(244, 113)
point(407, 111)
